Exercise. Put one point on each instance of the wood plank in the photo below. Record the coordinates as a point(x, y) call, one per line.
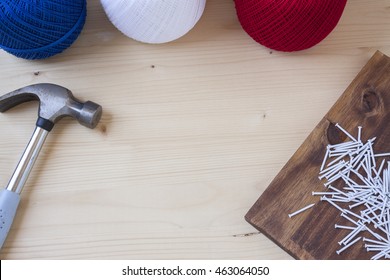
point(311, 235)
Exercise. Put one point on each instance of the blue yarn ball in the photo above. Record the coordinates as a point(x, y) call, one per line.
point(37, 29)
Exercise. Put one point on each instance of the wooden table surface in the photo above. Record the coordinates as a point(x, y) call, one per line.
point(193, 132)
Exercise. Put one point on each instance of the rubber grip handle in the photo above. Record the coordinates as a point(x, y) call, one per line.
point(9, 202)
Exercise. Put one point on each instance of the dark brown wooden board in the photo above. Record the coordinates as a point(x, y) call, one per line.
point(311, 234)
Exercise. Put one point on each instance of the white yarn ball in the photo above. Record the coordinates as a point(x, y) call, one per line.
point(154, 21)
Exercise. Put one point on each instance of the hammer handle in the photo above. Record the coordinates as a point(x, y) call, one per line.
point(26, 163)
point(9, 202)
point(10, 196)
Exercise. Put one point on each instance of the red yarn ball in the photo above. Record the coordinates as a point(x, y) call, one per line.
point(289, 25)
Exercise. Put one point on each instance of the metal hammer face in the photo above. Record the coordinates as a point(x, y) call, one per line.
point(55, 102)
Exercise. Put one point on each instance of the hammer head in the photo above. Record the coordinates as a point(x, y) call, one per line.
point(55, 102)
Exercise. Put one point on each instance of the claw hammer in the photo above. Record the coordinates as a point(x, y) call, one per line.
point(55, 102)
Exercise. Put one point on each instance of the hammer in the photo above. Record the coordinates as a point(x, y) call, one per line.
point(55, 102)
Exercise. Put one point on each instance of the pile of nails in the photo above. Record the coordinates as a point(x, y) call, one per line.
point(362, 197)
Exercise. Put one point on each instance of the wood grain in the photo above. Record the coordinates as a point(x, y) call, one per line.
point(311, 235)
point(193, 132)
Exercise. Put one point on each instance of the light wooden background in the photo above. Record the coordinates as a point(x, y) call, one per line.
point(193, 131)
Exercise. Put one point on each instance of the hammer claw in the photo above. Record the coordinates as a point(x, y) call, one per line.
point(13, 99)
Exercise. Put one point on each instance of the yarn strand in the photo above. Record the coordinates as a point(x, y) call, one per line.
point(154, 21)
point(36, 29)
point(289, 25)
